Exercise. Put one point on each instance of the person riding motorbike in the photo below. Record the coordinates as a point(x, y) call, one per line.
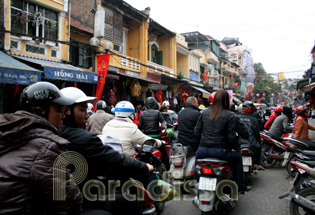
point(272, 117)
point(252, 125)
point(98, 120)
point(216, 130)
point(240, 128)
point(122, 126)
point(187, 120)
point(301, 125)
point(280, 125)
point(102, 159)
point(30, 143)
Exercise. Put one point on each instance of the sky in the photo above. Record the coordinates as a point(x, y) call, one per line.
point(280, 33)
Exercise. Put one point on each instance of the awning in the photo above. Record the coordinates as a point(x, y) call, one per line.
point(14, 72)
point(205, 93)
point(60, 71)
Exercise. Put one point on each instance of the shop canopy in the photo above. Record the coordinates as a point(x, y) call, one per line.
point(205, 93)
point(59, 71)
point(14, 72)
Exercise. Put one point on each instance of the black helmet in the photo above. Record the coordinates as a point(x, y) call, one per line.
point(101, 105)
point(42, 94)
point(248, 107)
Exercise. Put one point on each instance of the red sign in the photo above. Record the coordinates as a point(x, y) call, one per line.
point(102, 67)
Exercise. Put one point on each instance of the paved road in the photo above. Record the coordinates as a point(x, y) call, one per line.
point(261, 200)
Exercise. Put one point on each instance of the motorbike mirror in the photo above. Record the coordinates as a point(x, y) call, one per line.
point(149, 145)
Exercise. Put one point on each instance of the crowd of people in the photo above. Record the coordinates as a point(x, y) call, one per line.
point(52, 122)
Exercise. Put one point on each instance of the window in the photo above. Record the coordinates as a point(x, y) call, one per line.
point(80, 55)
point(114, 28)
point(156, 56)
point(35, 49)
point(15, 44)
point(33, 20)
point(54, 53)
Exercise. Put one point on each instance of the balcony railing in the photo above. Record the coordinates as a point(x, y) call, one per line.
point(131, 63)
point(161, 69)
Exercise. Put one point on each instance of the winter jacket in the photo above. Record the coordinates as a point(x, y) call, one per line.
point(101, 159)
point(128, 133)
point(252, 124)
point(240, 128)
point(97, 121)
point(150, 118)
point(29, 146)
point(272, 117)
point(187, 120)
point(216, 133)
point(301, 128)
point(279, 126)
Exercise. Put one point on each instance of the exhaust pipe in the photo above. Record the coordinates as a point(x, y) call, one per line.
point(304, 202)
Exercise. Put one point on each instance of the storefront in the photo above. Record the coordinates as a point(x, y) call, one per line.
point(14, 77)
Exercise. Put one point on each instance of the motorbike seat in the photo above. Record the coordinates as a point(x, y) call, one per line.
point(309, 153)
point(310, 143)
point(311, 163)
point(245, 146)
point(212, 160)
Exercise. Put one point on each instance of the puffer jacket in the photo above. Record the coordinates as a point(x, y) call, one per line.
point(216, 133)
point(29, 146)
point(151, 117)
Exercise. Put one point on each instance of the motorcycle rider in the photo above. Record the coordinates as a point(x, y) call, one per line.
point(122, 126)
point(272, 117)
point(252, 125)
point(301, 125)
point(102, 160)
point(280, 125)
point(98, 120)
point(30, 143)
point(187, 120)
point(240, 128)
point(216, 130)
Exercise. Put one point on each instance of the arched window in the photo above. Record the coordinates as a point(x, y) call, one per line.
point(154, 50)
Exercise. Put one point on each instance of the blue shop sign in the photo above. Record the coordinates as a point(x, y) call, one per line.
point(70, 75)
point(193, 76)
point(13, 76)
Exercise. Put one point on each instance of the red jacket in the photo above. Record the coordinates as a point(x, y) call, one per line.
point(272, 118)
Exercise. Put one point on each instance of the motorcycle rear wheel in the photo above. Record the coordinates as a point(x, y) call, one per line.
point(295, 209)
point(266, 160)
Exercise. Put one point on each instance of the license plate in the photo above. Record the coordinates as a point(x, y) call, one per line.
point(286, 155)
point(247, 161)
point(207, 184)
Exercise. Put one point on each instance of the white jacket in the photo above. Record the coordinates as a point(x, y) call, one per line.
point(128, 133)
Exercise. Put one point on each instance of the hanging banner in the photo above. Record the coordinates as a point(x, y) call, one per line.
point(205, 77)
point(102, 67)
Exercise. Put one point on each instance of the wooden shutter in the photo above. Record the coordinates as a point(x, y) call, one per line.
point(118, 28)
point(108, 33)
point(159, 56)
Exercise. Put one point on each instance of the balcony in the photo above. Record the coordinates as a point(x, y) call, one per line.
point(212, 58)
point(130, 63)
point(161, 69)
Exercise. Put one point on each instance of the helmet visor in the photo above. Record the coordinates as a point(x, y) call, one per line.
point(62, 100)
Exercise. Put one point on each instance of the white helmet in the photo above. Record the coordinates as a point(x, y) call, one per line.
point(77, 94)
point(166, 103)
point(90, 106)
point(125, 109)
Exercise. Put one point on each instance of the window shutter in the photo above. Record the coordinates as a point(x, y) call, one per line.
point(159, 57)
point(118, 28)
point(108, 33)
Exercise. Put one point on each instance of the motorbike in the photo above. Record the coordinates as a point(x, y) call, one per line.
point(248, 156)
point(302, 188)
point(182, 165)
point(217, 192)
point(275, 150)
point(149, 153)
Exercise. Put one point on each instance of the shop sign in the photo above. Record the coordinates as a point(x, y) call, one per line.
point(12, 76)
point(70, 75)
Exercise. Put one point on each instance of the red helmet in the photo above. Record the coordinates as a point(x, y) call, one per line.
point(278, 109)
point(300, 110)
point(211, 98)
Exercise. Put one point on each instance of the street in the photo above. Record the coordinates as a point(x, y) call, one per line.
point(263, 199)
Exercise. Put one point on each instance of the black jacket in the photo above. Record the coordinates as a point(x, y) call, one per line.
point(216, 133)
point(151, 117)
point(101, 159)
point(252, 125)
point(187, 120)
point(241, 128)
